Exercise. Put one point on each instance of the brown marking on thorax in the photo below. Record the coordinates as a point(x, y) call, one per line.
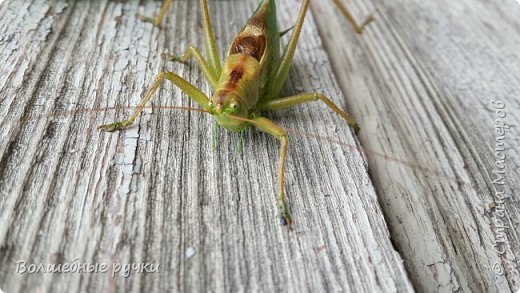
point(236, 75)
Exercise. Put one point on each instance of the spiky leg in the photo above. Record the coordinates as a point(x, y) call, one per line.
point(276, 131)
point(159, 18)
point(288, 102)
point(358, 27)
point(185, 86)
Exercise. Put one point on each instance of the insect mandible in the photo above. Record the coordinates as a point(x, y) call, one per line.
point(248, 83)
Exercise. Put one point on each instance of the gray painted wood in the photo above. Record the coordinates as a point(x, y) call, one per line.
point(420, 82)
point(158, 193)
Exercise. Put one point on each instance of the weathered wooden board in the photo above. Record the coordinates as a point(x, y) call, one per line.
point(420, 82)
point(158, 193)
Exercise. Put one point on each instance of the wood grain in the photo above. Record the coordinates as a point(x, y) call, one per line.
point(158, 193)
point(420, 81)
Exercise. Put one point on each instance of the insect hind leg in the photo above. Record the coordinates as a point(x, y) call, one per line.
point(281, 70)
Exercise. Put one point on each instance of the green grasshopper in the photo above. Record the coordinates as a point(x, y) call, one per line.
point(248, 83)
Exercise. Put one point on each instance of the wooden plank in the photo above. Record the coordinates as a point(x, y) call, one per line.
point(420, 82)
point(158, 193)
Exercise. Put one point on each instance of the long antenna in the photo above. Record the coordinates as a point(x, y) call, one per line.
point(296, 132)
point(95, 110)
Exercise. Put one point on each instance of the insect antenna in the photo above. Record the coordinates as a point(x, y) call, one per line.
point(292, 131)
point(70, 113)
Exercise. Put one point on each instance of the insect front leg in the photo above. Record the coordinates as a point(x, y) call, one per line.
point(185, 86)
point(358, 27)
point(288, 102)
point(203, 64)
point(276, 131)
point(159, 18)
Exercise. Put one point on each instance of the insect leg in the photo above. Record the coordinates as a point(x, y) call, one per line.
point(203, 64)
point(276, 131)
point(288, 102)
point(280, 71)
point(358, 27)
point(159, 18)
point(185, 86)
point(211, 47)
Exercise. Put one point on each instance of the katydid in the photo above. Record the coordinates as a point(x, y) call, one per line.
point(248, 83)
